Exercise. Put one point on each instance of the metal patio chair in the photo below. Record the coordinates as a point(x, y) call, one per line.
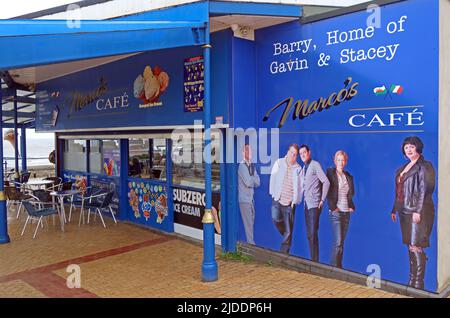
point(16, 197)
point(36, 214)
point(24, 177)
point(97, 204)
point(78, 200)
point(57, 183)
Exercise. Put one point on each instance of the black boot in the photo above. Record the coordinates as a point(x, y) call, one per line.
point(412, 269)
point(421, 260)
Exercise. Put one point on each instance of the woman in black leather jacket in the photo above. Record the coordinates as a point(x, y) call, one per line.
point(415, 183)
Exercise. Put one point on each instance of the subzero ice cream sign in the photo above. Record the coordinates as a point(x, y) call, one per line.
point(189, 206)
point(150, 85)
point(188, 202)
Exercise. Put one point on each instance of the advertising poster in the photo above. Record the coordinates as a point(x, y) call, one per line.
point(147, 203)
point(79, 181)
point(150, 85)
point(354, 183)
point(194, 84)
point(111, 161)
point(189, 208)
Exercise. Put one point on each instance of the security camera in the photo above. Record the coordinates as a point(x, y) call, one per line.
point(244, 31)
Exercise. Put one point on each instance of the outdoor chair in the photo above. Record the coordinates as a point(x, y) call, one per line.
point(79, 200)
point(20, 182)
point(36, 214)
point(66, 186)
point(14, 196)
point(9, 174)
point(98, 203)
point(24, 177)
point(57, 183)
point(44, 197)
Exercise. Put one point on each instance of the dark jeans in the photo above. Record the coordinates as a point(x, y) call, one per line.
point(312, 230)
point(340, 222)
point(283, 218)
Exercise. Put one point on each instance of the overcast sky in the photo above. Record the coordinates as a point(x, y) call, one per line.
point(10, 9)
point(13, 8)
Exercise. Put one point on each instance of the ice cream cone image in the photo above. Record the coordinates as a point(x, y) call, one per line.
point(151, 84)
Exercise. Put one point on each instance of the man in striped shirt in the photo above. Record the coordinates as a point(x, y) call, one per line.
point(285, 189)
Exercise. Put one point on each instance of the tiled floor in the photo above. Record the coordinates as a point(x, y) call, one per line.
point(124, 260)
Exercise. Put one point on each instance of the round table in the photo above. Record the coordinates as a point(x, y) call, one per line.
point(60, 195)
point(38, 183)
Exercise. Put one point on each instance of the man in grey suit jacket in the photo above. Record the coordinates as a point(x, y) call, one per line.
point(315, 185)
point(248, 179)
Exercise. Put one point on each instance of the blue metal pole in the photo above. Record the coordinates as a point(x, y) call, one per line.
point(123, 204)
point(4, 237)
point(23, 147)
point(16, 141)
point(169, 185)
point(209, 266)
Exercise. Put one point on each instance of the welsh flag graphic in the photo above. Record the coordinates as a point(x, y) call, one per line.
point(396, 89)
point(380, 90)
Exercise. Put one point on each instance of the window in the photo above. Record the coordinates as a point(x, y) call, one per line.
point(104, 157)
point(74, 155)
point(147, 158)
point(158, 162)
point(188, 169)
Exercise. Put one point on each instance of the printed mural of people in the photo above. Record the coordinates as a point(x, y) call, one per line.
point(340, 203)
point(285, 189)
point(216, 214)
point(315, 189)
point(414, 187)
point(248, 179)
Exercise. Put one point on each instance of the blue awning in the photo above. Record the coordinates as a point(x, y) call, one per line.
point(26, 43)
point(217, 8)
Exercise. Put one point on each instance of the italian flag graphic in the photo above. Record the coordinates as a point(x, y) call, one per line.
point(396, 89)
point(380, 90)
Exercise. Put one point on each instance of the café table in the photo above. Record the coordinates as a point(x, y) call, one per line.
point(38, 183)
point(61, 195)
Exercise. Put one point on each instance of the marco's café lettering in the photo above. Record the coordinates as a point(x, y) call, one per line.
point(81, 100)
point(303, 109)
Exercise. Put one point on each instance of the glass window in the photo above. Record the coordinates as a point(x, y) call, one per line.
point(74, 155)
point(95, 157)
point(158, 162)
point(104, 157)
point(188, 169)
point(147, 158)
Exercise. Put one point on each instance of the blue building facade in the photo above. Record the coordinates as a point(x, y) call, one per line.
point(360, 83)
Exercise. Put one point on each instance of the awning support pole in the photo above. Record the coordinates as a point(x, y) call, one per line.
point(4, 237)
point(23, 147)
point(209, 265)
point(16, 148)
